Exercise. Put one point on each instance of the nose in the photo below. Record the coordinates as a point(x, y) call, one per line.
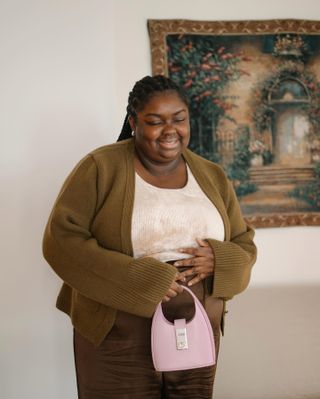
point(169, 128)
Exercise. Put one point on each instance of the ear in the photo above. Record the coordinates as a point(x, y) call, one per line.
point(132, 123)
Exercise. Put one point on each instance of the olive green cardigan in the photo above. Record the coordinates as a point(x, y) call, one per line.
point(87, 242)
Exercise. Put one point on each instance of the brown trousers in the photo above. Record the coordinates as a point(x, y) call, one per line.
point(121, 367)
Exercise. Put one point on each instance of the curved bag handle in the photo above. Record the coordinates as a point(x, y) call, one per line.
point(181, 345)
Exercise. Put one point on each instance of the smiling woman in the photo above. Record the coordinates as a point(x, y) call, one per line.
point(162, 132)
point(133, 222)
point(162, 128)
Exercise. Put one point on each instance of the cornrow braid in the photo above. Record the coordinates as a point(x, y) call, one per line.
point(142, 92)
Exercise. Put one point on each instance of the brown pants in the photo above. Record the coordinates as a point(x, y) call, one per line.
point(121, 367)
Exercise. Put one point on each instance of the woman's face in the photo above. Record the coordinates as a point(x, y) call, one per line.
point(162, 129)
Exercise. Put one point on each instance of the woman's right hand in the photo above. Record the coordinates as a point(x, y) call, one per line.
point(175, 288)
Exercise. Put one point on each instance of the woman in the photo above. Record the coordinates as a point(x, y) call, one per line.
point(134, 221)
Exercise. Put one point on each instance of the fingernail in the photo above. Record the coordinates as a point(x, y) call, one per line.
point(189, 284)
point(176, 264)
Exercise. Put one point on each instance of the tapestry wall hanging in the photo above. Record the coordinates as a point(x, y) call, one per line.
point(254, 91)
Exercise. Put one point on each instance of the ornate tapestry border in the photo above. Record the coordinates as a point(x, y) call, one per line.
point(284, 220)
point(159, 29)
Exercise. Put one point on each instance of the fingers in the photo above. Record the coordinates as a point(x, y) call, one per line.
point(189, 250)
point(180, 277)
point(201, 272)
point(185, 262)
point(199, 260)
point(188, 273)
point(195, 250)
point(204, 251)
point(197, 279)
point(173, 291)
point(202, 242)
point(177, 288)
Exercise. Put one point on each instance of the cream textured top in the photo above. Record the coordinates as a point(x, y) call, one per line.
point(166, 219)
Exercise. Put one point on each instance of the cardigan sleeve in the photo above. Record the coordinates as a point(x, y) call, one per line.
point(106, 276)
point(233, 258)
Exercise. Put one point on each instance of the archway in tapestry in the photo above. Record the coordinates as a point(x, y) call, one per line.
point(291, 126)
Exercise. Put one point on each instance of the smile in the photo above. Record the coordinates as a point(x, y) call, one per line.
point(169, 143)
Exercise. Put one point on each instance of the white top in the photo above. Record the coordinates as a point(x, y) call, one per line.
point(166, 219)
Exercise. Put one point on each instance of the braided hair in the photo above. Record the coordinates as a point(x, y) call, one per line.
point(141, 93)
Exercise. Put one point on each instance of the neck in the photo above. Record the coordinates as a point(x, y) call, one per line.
point(158, 168)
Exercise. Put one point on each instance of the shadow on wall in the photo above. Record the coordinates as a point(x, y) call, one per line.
point(271, 348)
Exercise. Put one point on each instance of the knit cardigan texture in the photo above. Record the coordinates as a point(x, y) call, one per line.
point(87, 242)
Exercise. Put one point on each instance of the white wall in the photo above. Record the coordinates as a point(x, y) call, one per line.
point(66, 69)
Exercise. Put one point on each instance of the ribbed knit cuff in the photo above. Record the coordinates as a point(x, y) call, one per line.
point(232, 268)
point(149, 281)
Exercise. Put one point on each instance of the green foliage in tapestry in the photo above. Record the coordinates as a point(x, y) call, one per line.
point(238, 170)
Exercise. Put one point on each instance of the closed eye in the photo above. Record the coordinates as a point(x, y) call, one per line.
point(153, 123)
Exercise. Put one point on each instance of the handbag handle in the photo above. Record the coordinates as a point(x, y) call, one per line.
point(196, 301)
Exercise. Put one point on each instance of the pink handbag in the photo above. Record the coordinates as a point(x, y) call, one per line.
point(180, 345)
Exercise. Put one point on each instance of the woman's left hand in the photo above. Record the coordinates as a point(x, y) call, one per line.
point(201, 265)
